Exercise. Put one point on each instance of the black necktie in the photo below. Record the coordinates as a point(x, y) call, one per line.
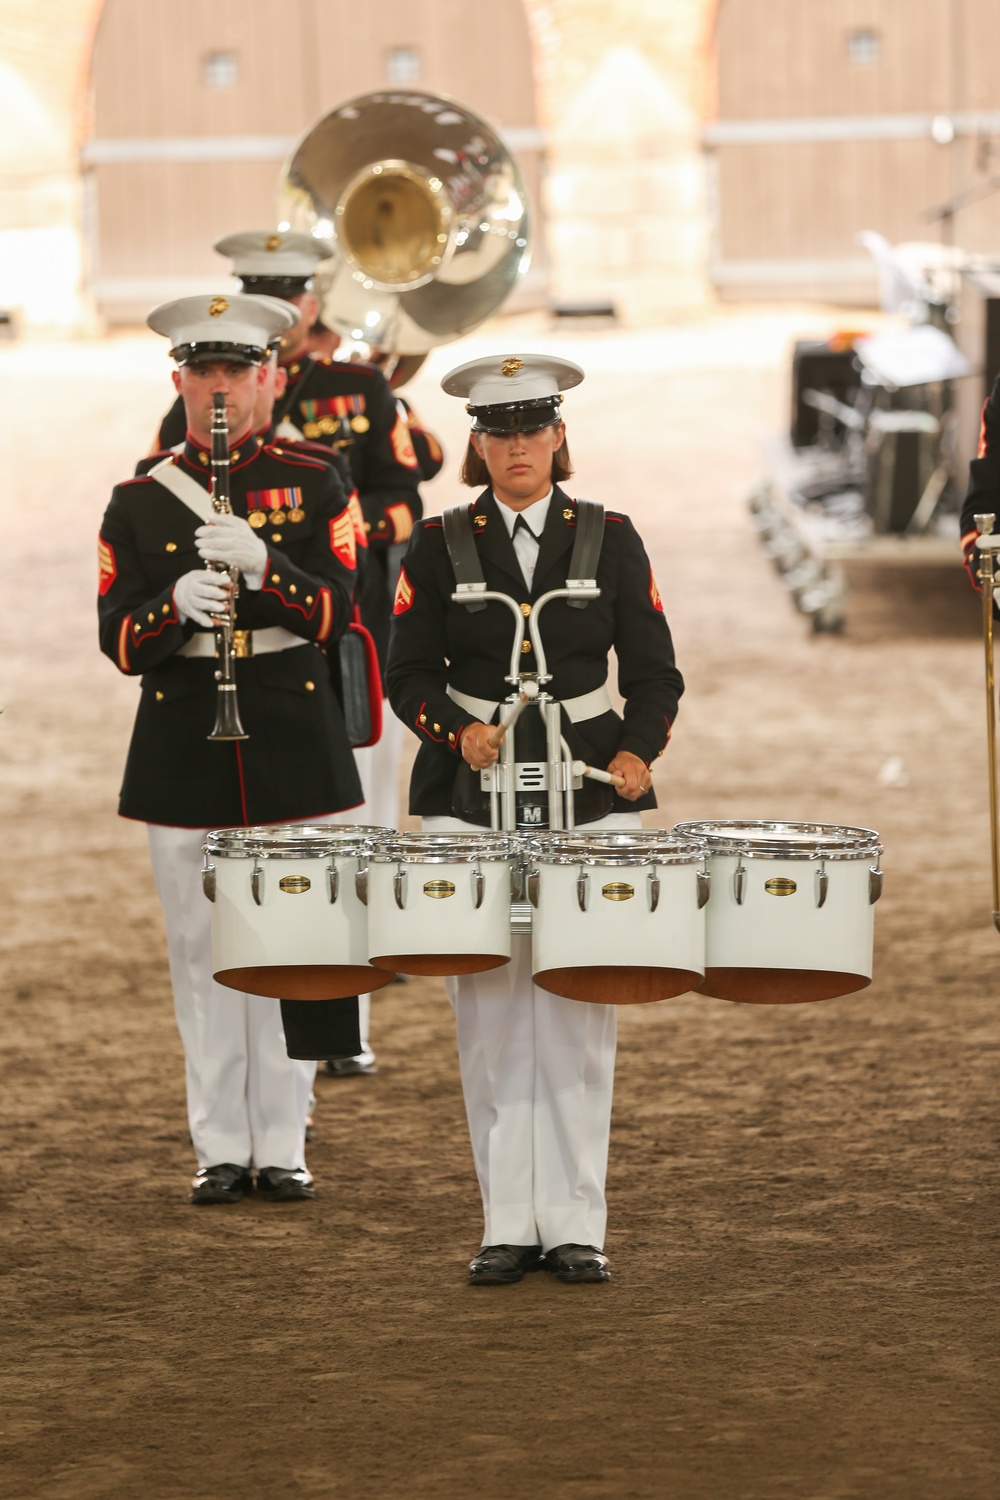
point(521, 525)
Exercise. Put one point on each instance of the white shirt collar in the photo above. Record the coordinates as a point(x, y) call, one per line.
point(535, 514)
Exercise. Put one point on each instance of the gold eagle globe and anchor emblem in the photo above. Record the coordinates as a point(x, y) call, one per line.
point(217, 307)
point(511, 366)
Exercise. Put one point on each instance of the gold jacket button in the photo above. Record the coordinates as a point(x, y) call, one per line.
point(310, 686)
point(275, 536)
point(292, 589)
point(171, 546)
point(437, 728)
point(150, 617)
point(166, 609)
point(275, 578)
point(137, 627)
point(526, 610)
point(159, 697)
point(421, 720)
point(525, 647)
point(309, 598)
point(451, 737)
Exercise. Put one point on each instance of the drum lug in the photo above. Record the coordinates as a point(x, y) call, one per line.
point(704, 887)
point(361, 884)
point(582, 889)
point(208, 880)
point(654, 890)
point(740, 883)
point(257, 883)
point(874, 884)
point(478, 887)
point(399, 888)
point(822, 885)
point(531, 886)
point(332, 883)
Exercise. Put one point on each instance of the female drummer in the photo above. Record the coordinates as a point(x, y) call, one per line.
point(537, 1069)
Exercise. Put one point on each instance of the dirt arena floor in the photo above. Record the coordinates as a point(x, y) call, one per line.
point(803, 1222)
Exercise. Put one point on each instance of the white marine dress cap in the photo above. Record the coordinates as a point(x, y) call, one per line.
point(513, 392)
point(230, 326)
point(275, 254)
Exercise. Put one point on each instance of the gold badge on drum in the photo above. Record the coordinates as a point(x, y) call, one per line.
point(780, 886)
point(439, 890)
point(617, 890)
point(294, 885)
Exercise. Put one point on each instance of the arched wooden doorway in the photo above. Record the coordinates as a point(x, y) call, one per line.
point(195, 107)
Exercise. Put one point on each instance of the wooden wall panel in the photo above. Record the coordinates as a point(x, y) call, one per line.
point(788, 58)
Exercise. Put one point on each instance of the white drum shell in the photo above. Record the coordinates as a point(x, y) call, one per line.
point(442, 933)
point(290, 930)
point(790, 932)
point(619, 933)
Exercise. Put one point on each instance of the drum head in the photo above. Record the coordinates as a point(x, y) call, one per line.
point(779, 986)
point(778, 840)
point(617, 984)
point(305, 981)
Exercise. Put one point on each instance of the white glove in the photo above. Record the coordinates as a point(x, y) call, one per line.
point(231, 540)
point(199, 596)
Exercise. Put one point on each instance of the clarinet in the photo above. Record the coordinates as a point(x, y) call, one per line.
point(227, 713)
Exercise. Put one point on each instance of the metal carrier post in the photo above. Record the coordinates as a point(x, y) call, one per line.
point(562, 774)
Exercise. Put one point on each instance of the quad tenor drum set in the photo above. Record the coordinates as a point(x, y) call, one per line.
point(760, 912)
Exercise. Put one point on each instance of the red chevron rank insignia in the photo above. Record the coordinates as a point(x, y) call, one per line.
point(404, 594)
point(107, 568)
point(402, 444)
point(654, 592)
point(342, 543)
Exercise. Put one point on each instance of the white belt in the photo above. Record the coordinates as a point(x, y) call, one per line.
point(245, 642)
point(587, 706)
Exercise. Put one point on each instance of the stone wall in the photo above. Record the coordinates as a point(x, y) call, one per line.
point(623, 92)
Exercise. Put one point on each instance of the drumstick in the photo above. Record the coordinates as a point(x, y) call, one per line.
point(580, 768)
point(512, 714)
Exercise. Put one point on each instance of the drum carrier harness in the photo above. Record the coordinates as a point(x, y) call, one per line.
point(521, 791)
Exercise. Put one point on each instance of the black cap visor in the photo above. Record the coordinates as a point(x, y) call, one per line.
point(282, 287)
point(516, 416)
point(217, 350)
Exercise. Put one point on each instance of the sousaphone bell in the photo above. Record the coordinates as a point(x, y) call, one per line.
point(427, 208)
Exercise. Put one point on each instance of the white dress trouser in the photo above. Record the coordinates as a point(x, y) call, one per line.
point(378, 767)
point(538, 1077)
point(247, 1099)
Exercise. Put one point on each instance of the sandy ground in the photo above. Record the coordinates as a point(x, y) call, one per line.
point(803, 1200)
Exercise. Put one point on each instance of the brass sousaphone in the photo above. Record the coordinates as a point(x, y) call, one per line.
point(428, 211)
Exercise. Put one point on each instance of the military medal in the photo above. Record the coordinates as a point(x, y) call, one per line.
point(276, 517)
point(257, 519)
point(360, 424)
point(311, 430)
point(296, 515)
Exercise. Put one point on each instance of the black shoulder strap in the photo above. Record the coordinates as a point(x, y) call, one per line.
point(461, 543)
point(587, 544)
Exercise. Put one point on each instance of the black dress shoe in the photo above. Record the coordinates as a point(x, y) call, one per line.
point(577, 1263)
point(285, 1184)
point(225, 1183)
point(497, 1264)
point(348, 1067)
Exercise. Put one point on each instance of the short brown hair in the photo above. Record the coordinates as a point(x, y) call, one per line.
point(476, 475)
